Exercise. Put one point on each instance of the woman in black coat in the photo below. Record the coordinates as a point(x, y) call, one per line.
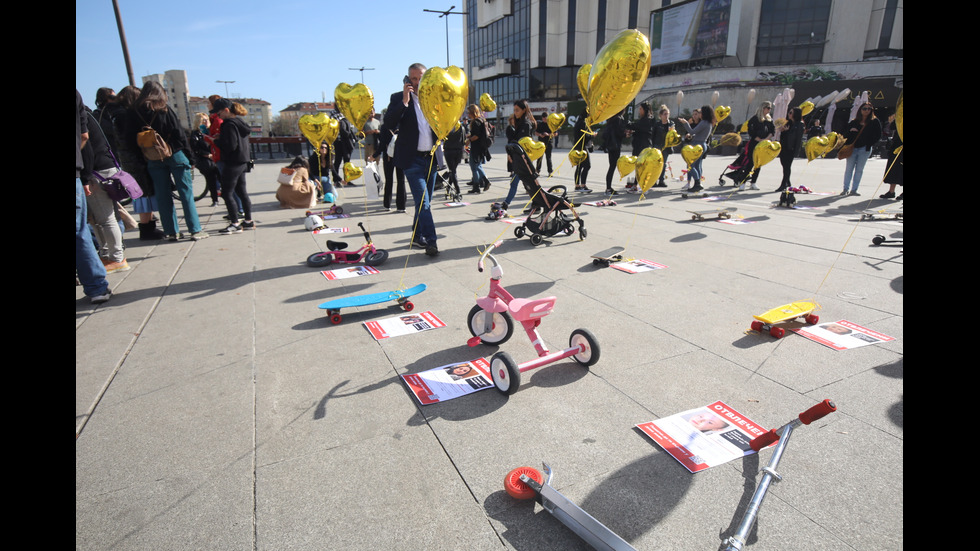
point(235, 154)
point(790, 139)
point(612, 139)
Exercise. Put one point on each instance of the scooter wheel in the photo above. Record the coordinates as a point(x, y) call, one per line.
point(516, 488)
point(319, 260)
point(335, 319)
point(506, 375)
point(878, 239)
point(501, 329)
point(376, 258)
point(536, 239)
point(585, 337)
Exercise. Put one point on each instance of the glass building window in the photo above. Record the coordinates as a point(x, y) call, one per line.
point(792, 32)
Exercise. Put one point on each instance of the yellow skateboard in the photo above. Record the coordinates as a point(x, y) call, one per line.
point(791, 311)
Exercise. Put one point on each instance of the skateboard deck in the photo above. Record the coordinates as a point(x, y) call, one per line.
point(791, 311)
point(333, 307)
point(604, 258)
point(872, 214)
point(718, 213)
point(686, 194)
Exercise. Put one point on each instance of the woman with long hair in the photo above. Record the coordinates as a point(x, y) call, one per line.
point(478, 151)
point(660, 130)
point(703, 123)
point(131, 160)
point(235, 154)
point(522, 124)
point(583, 142)
point(790, 138)
point(151, 110)
point(760, 128)
point(612, 139)
point(862, 132)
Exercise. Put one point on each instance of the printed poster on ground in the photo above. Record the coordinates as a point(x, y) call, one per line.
point(704, 437)
point(405, 324)
point(842, 335)
point(449, 381)
point(346, 273)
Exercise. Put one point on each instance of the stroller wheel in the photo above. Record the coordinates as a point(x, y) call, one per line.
point(582, 234)
point(519, 231)
point(569, 229)
point(536, 239)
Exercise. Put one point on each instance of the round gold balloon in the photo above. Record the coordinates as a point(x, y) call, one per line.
point(900, 117)
point(583, 80)
point(442, 98)
point(806, 107)
point(673, 139)
point(556, 121)
point(721, 113)
point(354, 102)
point(619, 71)
point(625, 165)
point(533, 149)
point(319, 128)
point(764, 151)
point(649, 165)
point(576, 156)
point(691, 153)
point(352, 172)
point(487, 103)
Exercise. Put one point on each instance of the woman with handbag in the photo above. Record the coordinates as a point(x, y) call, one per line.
point(98, 165)
point(236, 154)
point(862, 133)
point(154, 129)
point(132, 161)
point(703, 121)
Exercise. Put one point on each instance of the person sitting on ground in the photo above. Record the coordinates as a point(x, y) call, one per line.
point(300, 192)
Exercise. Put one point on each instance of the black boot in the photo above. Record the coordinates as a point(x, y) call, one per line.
point(149, 232)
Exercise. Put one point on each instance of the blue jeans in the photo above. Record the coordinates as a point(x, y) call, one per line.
point(422, 182)
point(88, 266)
point(513, 189)
point(175, 170)
point(694, 173)
point(476, 166)
point(855, 168)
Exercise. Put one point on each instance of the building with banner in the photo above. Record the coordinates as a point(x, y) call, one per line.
point(533, 49)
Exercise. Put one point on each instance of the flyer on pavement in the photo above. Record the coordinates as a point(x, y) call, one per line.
point(736, 221)
point(636, 266)
point(345, 273)
point(842, 335)
point(404, 324)
point(329, 230)
point(449, 381)
point(704, 437)
point(457, 204)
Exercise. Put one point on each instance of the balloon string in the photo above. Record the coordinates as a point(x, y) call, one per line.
point(418, 210)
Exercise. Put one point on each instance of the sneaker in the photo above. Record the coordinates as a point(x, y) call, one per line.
point(401, 211)
point(900, 196)
point(611, 192)
point(660, 184)
point(431, 250)
point(843, 193)
point(199, 236)
point(741, 187)
point(855, 193)
point(419, 242)
point(232, 228)
point(172, 237)
point(696, 188)
point(120, 266)
point(687, 186)
point(753, 186)
point(104, 297)
point(248, 224)
point(214, 204)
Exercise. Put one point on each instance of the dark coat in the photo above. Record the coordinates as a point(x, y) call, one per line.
point(402, 119)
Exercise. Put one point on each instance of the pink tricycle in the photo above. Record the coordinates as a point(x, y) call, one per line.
point(491, 322)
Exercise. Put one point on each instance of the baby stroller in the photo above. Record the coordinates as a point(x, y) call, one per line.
point(546, 217)
point(740, 168)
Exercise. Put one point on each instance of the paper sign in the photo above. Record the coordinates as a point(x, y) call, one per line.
point(449, 381)
point(842, 335)
point(636, 266)
point(403, 325)
point(329, 230)
point(346, 273)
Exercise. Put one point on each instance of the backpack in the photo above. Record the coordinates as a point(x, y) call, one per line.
point(486, 140)
point(152, 144)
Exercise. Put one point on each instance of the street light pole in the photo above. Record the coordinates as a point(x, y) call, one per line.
point(446, 14)
point(362, 69)
point(227, 82)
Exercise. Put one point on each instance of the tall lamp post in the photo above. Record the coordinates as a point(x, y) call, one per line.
point(362, 69)
point(446, 14)
point(226, 82)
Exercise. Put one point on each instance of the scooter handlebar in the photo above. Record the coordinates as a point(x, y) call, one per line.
point(764, 440)
point(816, 412)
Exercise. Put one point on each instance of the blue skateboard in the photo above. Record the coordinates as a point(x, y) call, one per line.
point(333, 307)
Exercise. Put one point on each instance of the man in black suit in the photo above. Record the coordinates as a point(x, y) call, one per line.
point(413, 154)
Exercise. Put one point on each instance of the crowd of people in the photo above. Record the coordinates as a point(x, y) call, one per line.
point(137, 132)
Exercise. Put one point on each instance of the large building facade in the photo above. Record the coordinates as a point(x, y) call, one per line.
point(533, 49)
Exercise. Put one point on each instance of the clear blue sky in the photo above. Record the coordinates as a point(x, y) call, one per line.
point(282, 52)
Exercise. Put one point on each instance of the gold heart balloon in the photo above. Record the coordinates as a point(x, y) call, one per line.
point(352, 172)
point(625, 165)
point(722, 112)
point(619, 71)
point(442, 98)
point(319, 128)
point(576, 156)
point(691, 153)
point(806, 107)
point(649, 165)
point(583, 80)
point(556, 121)
point(354, 102)
point(764, 151)
point(533, 149)
point(672, 139)
point(816, 147)
point(487, 103)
